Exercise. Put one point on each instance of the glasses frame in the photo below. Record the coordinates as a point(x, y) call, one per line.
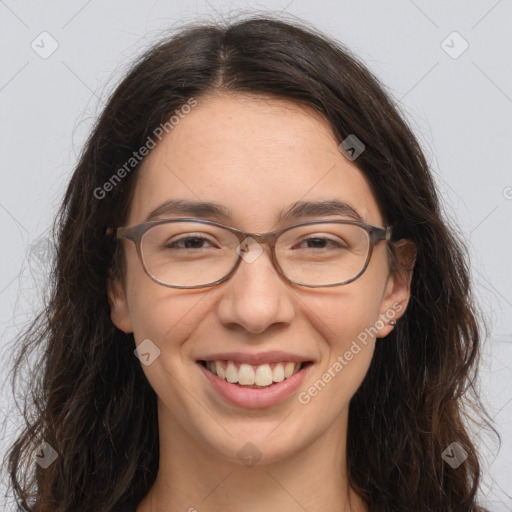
point(135, 233)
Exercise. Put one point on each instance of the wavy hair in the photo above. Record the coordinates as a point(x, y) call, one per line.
point(88, 397)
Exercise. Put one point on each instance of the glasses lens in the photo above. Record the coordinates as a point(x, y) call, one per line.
point(323, 254)
point(188, 253)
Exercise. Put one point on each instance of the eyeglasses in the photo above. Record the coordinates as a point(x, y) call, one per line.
point(197, 253)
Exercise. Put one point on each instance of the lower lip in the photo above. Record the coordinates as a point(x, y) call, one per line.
point(253, 398)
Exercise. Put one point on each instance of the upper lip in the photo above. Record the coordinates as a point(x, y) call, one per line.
point(256, 358)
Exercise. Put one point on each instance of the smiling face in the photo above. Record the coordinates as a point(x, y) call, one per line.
point(256, 157)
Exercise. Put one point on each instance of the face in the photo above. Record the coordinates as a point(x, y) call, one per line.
point(256, 157)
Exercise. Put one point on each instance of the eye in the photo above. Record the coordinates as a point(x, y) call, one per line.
point(190, 241)
point(322, 242)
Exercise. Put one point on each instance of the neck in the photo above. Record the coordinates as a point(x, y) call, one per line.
point(193, 477)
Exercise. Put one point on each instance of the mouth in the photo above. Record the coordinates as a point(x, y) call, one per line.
point(253, 386)
point(251, 376)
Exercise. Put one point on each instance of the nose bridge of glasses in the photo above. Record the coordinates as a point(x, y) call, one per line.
point(262, 239)
point(259, 241)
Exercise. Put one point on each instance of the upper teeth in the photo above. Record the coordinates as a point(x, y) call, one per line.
point(247, 375)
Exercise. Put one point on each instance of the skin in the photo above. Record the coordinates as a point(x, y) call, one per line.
point(254, 155)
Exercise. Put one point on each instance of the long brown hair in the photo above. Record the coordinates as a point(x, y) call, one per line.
point(89, 398)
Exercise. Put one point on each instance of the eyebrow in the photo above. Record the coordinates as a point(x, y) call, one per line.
point(297, 211)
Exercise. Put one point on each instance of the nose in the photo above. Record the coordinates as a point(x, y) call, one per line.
point(256, 297)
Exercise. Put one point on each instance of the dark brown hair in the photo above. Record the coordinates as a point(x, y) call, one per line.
point(89, 398)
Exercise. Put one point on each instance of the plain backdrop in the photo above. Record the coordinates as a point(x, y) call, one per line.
point(447, 64)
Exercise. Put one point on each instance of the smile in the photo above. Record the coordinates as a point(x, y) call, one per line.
point(261, 376)
point(254, 386)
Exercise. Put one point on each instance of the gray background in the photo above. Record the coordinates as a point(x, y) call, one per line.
point(459, 105)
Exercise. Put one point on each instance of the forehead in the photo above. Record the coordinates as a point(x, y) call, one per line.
point(254, 155)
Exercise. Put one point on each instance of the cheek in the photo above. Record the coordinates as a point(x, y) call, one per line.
point(159, 313)
point(164, 315)
point(341, 314)
point(346, 354)
point(348, 326)
point(149, 303)
point(167, 318)
point(347, 321)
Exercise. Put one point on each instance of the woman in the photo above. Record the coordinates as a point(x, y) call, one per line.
point(256, 303)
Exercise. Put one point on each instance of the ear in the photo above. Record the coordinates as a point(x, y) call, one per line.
point(398, 288)
point(119, 311)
